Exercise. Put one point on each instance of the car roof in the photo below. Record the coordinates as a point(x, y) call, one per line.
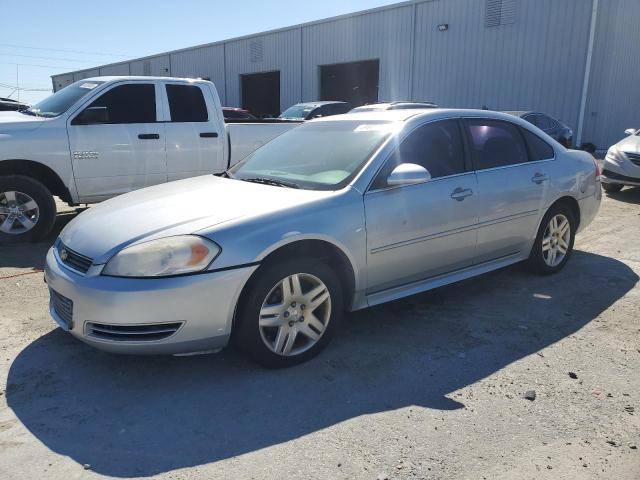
point(319, 103)
point(396, 102)
point(141, 78)
point(405, 115)
point(522, 113)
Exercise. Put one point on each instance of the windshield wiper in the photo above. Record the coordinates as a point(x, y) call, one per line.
point(28, 111)
point(271, 181)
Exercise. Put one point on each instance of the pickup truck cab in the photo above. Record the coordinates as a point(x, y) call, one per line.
point(101, 137)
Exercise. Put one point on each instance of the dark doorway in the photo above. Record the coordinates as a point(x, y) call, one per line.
point(354, 82)
point(261, 93)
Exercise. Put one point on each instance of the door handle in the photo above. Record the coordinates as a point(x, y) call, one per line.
point(209, 134)
point(460, 193)
point(148, 136)
point(539, 178)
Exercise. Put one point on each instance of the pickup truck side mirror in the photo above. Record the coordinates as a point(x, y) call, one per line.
point(630, 131)
point(408, 174)
point(92, 116)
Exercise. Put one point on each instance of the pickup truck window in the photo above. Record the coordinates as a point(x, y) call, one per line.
point(316, 155)
point(130, 103)
point(62, 100)
point(186, 103)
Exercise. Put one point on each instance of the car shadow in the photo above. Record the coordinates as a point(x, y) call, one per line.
point(32, 255)
point(627, 194)
point(140, 416)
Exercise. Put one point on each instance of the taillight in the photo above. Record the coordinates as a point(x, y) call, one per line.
point(598, 171)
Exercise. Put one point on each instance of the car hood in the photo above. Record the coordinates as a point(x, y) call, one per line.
point(175, 208)
point(630, 144)
point(13, 121)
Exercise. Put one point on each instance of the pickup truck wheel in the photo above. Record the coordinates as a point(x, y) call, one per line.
point(289, 312)
point(27, 209)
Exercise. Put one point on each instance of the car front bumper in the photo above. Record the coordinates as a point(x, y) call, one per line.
point(622, 173)
point(202, 305)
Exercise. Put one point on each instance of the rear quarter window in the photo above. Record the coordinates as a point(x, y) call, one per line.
point(537, 147)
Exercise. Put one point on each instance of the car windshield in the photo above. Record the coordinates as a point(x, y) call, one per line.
point(62, 100)
point(297, 112)
point(316, 155)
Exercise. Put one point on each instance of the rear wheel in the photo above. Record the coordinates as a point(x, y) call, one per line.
point(289, 312)
point(612, 187)
point(554, 242)
point(27, 209)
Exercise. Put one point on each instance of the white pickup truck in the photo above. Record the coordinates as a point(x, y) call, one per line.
point(104, 136)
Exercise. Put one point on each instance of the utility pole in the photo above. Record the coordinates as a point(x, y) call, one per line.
point(17, 81)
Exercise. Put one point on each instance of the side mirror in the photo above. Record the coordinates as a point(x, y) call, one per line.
point(92, 115)
point(408, 174)
point(630, 131)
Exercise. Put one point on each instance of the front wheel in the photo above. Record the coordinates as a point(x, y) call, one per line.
point(289, 312)
point(27, 209)
point(554, 242)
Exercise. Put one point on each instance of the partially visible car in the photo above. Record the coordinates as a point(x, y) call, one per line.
point(104, 136)
point(399, 105)
point(622, 163)
point(553, 127)
point(234, 113)
point(11, 105)
point(309, 110)
point(336, 214)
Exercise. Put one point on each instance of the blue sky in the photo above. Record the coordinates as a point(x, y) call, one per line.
point(81, 34)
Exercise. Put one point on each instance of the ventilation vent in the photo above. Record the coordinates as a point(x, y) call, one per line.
point(256, 53)
point(146, 68)
point(132, 333)
point(500, 12)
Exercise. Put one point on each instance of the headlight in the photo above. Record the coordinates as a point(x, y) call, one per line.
point(614, 154)
point(164, 257)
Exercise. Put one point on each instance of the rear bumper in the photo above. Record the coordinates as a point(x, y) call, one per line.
point(202, 304)
point(589, 207)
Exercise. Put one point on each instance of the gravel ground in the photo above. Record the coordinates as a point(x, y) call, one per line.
point(428, 387)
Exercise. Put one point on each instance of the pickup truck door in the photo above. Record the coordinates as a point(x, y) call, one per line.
point(116, 143)
point(195, 133)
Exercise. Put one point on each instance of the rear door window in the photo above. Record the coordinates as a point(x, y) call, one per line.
point(495, 143)
point(186, 103)
point(538, 148)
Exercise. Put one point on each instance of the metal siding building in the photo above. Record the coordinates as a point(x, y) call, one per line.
point(505, 54)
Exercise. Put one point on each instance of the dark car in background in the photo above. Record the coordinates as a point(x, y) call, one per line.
point(309, 110)
point(549, 125)
point(9, 104)
point(398, 105)
point(233, 113)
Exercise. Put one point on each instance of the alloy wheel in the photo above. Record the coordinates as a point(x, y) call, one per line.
point(295, 314)
point(19, 213)
point(556, 239)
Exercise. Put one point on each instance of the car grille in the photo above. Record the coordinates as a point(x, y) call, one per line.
point(63, 307)
point(132, 333)
point(73, 259)
point(634, 157)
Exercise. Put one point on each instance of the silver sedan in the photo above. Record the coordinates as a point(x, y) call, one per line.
point(336, 215)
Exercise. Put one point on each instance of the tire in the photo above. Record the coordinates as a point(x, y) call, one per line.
point(18, 191)
point(266, 338)
point(611, 187)
point(539, 259)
